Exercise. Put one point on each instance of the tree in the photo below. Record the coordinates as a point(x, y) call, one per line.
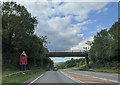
point(114, 37)
point(90, 43)
point(105, 48)
point(18, 34)
point(17, 24)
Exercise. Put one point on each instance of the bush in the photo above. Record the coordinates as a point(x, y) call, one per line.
point(112, 65)
point(82, 67)
point(91, 64)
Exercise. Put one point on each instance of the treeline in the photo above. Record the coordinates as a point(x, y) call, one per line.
point(18, 27)
point(104, 51)
point(73, 63)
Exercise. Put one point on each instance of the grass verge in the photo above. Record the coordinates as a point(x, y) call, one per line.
point(73, 68)
point(104, 70)
point(20, 78)
point(6, 72)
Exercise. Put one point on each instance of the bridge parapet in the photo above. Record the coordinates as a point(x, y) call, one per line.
point(67, 54)
point(67, 51)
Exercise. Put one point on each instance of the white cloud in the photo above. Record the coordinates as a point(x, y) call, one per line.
point(62, 35)
point(64, 0)
point(61, 59)
point(82, 44)
point(102, 10)
point(99, 28)
point(80, 9)
point(84, 23)
point(86, 0)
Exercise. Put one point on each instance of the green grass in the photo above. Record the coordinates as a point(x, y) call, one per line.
point(73, 68)
point(17, 79)
point(6, 72)
point(104, 70)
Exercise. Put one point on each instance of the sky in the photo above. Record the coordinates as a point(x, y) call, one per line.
point(68, 25)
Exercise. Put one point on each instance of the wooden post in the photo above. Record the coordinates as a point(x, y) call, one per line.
point(22, 68)
point(25, 67)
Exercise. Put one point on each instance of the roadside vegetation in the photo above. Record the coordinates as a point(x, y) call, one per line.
point(20, 78)
point(103, 55)
point(6, 72)
point(18, 26)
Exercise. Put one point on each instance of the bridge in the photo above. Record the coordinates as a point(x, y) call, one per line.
point(66, 54)
point(81, 53)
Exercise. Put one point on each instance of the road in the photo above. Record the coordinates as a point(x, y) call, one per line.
point(54, 77)
point(109, 76)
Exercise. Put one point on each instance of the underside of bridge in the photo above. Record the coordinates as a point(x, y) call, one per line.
point(67, 54)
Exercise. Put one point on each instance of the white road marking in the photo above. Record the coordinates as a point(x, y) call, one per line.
point(78, 81)
point(36, 79)
point(96, 77)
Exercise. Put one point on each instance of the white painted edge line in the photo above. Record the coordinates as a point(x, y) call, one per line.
point(36, 78)
point(97, 77)
point(78, 81)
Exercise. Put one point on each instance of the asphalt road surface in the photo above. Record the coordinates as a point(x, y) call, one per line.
point(109, 76)
point(54, 77)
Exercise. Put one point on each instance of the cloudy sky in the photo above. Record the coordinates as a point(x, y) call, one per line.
point(68, 25)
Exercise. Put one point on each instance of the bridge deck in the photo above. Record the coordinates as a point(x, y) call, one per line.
point(66, 54)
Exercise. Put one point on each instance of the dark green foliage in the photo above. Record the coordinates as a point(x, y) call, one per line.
point(18, 34)
point(72, 63)
point(105, 49)
point(104, 52)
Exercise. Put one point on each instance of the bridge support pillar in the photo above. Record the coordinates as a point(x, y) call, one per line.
point(87, 62)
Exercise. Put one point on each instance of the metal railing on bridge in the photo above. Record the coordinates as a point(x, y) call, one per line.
point(67, 50)
point(68, 53)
